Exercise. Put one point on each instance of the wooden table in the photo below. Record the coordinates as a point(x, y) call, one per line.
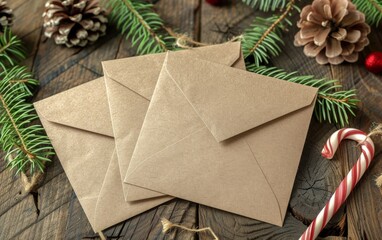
point(53, 211)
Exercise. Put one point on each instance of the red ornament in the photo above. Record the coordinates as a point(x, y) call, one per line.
point(215, 2)
point(373, 62)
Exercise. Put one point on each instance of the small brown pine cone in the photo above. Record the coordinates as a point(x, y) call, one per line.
point(332, 31)
point(74, 22)
point(6, 16)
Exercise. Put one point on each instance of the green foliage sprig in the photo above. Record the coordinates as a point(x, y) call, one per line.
point(11, 50)
point(333, 105)
point(372, 10)
point(266, 5)
point(262, 39)
point(27, 147)
point(138, 21)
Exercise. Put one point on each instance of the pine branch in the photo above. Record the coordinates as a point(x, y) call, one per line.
point(27, 147)
point(372, 10)
point(263, 39)
point(332, 105)
point(11, 50)
point(137, 19)
point(266, 5)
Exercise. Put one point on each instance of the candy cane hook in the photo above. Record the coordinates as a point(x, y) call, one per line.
point(347, 185)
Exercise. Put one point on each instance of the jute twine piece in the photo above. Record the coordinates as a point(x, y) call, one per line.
point(167, 225)
point(102, 236)
point(31, 183)
point(184, 41)
point(377, 132)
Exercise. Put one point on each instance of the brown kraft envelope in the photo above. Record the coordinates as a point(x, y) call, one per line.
point(78, 123)
point(222, 137)
point(130, 83)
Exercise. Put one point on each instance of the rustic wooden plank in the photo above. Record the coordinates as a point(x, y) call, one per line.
point(231, 226)
point(28, 17)
point(183, 16)
point(219, 24)
point(49, 227)
point(15, 4)
point(74, 76)
point(148, 225)
point(10, 191)
point(105, 52)
point(77, 224)
point(18, 218)
point(48, 198)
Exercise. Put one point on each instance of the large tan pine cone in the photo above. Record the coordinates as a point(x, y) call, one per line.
point(74, 22)
point(332, 31)
point(6, 16)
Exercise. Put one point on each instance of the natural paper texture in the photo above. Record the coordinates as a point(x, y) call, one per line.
point(222, 137)
point(78, 123)
point(130, 83)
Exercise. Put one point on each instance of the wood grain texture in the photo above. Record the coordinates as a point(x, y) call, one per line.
point(54, 212)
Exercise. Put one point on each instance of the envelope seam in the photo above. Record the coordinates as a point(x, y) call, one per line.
point(196, 112)
point(77, 128)
point(143, 161)
point(103, 184)
point(114, 80)
point(266, 179)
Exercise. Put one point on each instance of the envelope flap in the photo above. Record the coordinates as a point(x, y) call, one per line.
point(128, 71)
point(86, 113)
point(231, 101)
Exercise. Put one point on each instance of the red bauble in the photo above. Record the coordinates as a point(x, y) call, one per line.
point(215, 2)
point(373, 62)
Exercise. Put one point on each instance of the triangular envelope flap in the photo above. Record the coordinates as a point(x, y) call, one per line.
point(89, 112)
point(128, 71)
point(232, 101)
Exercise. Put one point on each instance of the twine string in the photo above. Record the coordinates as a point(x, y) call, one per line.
point(167, 225)
point(184, 41)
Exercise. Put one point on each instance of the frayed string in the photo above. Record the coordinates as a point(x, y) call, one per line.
point(101, 235)
point(167, 225)
point(35, 180)
point(184, 41)
point(376, 131)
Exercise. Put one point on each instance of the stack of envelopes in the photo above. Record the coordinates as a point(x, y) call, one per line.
point(191, 124)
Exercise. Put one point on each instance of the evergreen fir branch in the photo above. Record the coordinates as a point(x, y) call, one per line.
point(332, 105)
point(27, 147)
point(263, 39)
point(138, 21)
point(11, 50)
point(266, 5)
point(20, 77)
point(372, 10)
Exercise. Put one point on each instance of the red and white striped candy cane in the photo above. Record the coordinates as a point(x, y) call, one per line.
point(347, 185)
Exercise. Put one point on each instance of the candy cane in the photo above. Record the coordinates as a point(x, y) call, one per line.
point(347, 185)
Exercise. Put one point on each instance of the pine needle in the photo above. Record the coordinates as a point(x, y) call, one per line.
point(333, 105)
point(25, 144)
point(141, 24)
point(372, 10)
point(262, 39)
point(266, 5)
point(11, 50)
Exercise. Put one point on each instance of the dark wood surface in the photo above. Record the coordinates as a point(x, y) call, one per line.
point(53, 211)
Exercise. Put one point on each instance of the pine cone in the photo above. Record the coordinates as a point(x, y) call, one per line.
point(332, 31)
point(74, 22)
point(6, 16)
